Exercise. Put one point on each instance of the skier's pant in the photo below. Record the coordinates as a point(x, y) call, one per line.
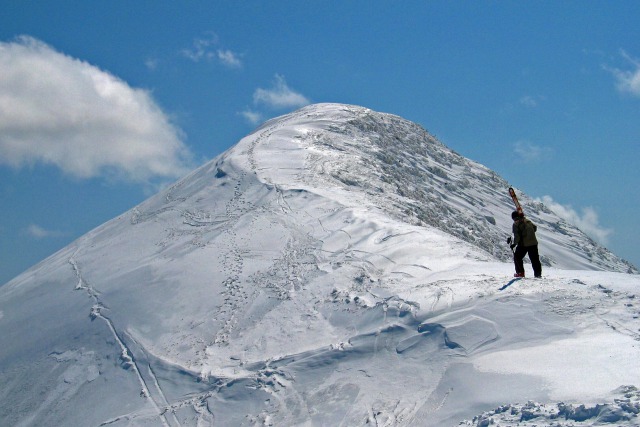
point(519, 254)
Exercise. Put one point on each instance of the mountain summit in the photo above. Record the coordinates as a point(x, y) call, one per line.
point(396, 166)
point(338, 266)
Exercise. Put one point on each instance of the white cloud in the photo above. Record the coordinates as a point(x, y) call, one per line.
point(58, 110)
point(151, 63)
point(204, 49)
point(587, 221)
point(253, 117)
point(229, 58)
point(628, 81)
point(201, 48)
point(279, 96)
point(529, 152)
point(40, 233)
point(529, 101)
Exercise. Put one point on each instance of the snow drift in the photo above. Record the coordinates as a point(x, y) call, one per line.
point(338, 266)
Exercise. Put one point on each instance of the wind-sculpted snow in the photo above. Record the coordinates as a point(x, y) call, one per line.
point(336, 267)
point(397, 166)
point(623, 410)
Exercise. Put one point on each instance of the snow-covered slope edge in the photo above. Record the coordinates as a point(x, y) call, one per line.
point(288, 282)
point(397, 166)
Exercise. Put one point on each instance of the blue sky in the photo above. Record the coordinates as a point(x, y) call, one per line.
point(103, 103)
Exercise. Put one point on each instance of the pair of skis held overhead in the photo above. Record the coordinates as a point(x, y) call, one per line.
point(512, 193)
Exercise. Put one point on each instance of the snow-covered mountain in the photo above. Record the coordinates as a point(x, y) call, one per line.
point(338, 266)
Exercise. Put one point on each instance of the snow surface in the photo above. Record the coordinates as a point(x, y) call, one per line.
point(336, 267)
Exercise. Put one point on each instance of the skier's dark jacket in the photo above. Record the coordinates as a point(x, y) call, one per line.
point(524, 233)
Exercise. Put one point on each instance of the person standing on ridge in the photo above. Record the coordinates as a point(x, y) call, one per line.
point(525, 242)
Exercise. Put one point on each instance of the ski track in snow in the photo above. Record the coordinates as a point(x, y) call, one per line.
point(133, 356)
point(276, 378)
point(127, 356)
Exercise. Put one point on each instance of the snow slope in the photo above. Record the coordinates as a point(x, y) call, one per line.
point(338, 266)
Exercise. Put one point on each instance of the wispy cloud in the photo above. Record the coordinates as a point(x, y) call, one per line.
point(38, 232)
point(531, 101)
point(279, 96)
point(627, 81)
point(201, 48)
point(151, 63)
point(229, 58)
point(208, 49)
point(276, 98)
point(253, 117)
point(529, 152)
point(58, 110)
point(587, 221)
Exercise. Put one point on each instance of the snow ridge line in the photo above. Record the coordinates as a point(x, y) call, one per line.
point(264, 135)
point(251, 150)
point(126, 354)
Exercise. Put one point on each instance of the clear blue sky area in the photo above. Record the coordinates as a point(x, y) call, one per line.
point(102, 103)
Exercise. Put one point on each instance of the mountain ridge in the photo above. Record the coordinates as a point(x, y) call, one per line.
point(295, 279)
point(426, 182)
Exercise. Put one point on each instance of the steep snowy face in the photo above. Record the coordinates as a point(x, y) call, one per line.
point(359, 157)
